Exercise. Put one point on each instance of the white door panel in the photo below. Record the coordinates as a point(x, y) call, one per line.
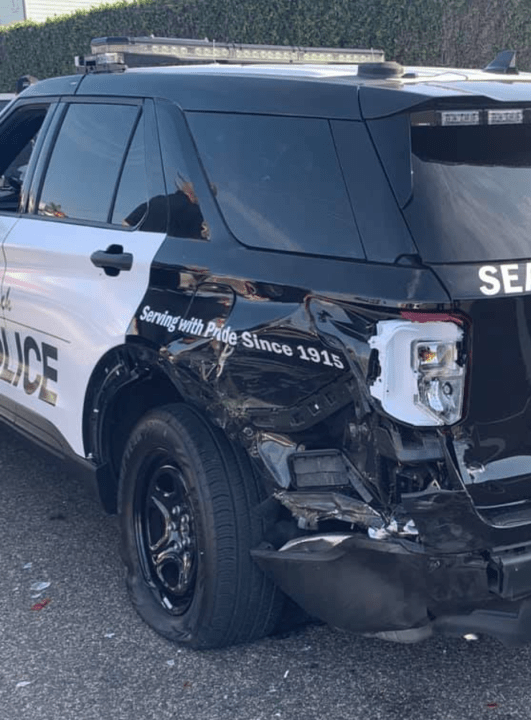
point(65, 313)
point(7, 223)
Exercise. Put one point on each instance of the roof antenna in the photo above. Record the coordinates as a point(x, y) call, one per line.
point(504, 63)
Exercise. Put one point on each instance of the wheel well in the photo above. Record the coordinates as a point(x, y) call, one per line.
point(128, 405)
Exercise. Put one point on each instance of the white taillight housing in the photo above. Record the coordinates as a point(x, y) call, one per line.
point(421, 379)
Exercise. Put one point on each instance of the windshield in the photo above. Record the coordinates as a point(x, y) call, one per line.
point(471, 196)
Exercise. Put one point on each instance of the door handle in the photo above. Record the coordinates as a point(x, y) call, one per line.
point(113, 260)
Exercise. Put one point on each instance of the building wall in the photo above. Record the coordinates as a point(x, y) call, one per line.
point(41, 10)
point(11, 11)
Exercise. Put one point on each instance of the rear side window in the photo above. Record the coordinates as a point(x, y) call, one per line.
point(278, 182)
point(185, 213)
point(86, 161)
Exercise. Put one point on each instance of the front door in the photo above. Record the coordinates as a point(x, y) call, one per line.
point(21, 135)
point(77, 264)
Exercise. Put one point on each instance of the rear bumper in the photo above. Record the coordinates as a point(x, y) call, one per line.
point(510, 623)
point(391, 586)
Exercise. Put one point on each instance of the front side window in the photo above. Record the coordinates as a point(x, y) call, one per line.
point(17, 140)
point(86, 162)
point(278, 182)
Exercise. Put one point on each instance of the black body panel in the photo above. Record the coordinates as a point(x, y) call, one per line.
point(312, 97)
point(360, 585)
point(53, 86)
point(238, 345)
point(374, 284)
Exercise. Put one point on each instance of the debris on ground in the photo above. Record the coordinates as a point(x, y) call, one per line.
point(470, 637)
point(42, 604)
point(39, 586)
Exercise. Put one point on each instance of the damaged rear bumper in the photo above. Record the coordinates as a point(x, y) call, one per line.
point(399, 590)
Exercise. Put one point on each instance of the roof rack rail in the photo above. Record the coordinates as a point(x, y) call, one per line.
point(142, 51)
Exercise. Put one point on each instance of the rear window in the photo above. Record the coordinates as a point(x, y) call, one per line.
point(278, 182)
point(471, 196)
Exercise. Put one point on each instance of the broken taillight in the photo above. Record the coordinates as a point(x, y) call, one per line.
point(422, 376)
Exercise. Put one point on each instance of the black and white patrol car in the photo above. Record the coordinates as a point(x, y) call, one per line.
point(278, 307)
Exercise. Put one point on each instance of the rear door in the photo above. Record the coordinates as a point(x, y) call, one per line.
point(78, 262)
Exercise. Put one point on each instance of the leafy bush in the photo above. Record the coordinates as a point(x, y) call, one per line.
point(455, 32)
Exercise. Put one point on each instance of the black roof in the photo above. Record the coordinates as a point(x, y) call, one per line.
point(316, 91)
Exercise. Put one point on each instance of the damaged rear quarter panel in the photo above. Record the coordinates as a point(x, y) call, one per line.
point(269, 342)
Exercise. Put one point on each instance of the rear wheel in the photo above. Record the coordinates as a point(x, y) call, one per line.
point(186, 502)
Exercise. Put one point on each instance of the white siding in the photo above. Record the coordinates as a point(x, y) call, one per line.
point(41, 10)
point(11, 11)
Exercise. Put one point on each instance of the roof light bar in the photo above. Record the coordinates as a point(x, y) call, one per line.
point(194, 51)
point(480, 116)
point(102, 62)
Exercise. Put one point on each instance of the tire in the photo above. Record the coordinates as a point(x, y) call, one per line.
point(186, 500)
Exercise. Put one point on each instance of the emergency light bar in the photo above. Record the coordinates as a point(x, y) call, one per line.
point(175, 51)
point(103, 62)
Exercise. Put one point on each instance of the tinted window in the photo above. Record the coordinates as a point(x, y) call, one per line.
point(278, 182)
point(185, 214)
point(86, 161)
point(16, 145)
point(471, 193)
point(131, 201)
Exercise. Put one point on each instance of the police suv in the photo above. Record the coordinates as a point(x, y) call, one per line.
point(276, 304)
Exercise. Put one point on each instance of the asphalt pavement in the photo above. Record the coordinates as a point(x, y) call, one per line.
point(82, 653)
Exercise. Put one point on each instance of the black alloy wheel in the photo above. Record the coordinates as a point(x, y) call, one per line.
point(165, 532)
point(186, 500)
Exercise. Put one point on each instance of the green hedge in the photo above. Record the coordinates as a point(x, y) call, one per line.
point(462, 33)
